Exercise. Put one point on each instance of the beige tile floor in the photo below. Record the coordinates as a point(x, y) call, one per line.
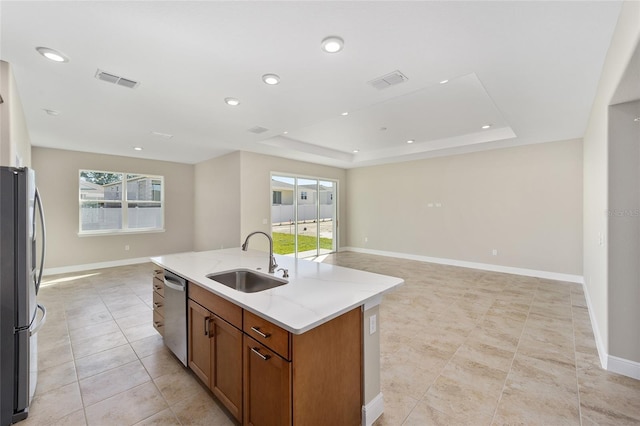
point(459, 346)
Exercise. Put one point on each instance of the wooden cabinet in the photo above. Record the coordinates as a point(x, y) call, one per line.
point(158, 300)
point(267, 386)
point(199, 345)
point(267, 333)
point(226, 378)
point(215, 353)
point(267, 376)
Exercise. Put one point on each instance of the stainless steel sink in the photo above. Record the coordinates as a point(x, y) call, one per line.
point(246, 281)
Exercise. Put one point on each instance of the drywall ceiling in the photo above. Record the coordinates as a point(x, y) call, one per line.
point(529, 69)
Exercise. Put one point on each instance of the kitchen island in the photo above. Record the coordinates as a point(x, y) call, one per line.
point(317, 334)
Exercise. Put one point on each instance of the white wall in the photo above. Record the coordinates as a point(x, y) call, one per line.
point(15, 145)
point(624, 231)
point(57, 179)
point(234, 196)
point(526, 202)
point(216, 211)
point(595, 234)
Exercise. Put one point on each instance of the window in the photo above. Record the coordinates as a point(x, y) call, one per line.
point(277, 197)
point(303, 195)
point(114, 202)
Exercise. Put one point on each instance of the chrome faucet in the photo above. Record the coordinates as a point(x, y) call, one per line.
point(272, 260)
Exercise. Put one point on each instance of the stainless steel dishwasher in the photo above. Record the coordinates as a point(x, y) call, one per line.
point(175, 315)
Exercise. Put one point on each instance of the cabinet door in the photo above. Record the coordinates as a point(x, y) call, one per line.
point(226, 380)
point(199, 341)
point(267, 386)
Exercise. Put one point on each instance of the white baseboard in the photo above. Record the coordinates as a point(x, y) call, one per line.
point(372, 410)
point(90, 266)
point(624, 367)
point(482, 266)
point(602, 350)
point(608, 362)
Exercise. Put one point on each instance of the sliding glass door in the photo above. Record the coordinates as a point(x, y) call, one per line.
point(303, 215)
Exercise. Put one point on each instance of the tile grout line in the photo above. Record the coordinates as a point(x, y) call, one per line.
point(495, 412)
point(75, 367)
point(97, 291)
point(575, 358)
point(478, 321)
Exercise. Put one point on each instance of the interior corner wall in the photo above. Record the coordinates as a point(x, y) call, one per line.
point(57, 174)
point(595, 206)
point(216, 221)
point(256, 191)
point(525, 202)
point(624, 231)
point(15, 145)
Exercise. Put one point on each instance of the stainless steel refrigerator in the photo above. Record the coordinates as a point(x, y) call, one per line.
point(22, 245)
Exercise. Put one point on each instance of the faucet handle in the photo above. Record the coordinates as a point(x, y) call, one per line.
point(285, 274)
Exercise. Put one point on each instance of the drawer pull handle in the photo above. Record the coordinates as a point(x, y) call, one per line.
point(157, 287)
point(158, 324)
point(206, 326)
point(157, 305)
point(257, 352)
point(260, 333)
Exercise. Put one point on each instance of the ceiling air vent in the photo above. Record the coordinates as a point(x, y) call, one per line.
point(115, 79)
point(257, 130)
point(388, 80)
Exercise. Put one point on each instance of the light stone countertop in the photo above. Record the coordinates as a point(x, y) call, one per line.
point(315, 293)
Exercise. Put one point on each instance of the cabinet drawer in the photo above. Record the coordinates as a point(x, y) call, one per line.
point(158, 286)
point(216, 304)
point(158, 303)
point(158, 322)
point(158, 273)
point(270, 335)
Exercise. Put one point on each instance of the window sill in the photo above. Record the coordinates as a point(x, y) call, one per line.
point(110, 233)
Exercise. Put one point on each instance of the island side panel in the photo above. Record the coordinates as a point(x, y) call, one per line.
point(373, 402)
point(327, 372)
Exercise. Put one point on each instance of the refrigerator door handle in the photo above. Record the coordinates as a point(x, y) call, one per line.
point(42, 321)
point(38, 203)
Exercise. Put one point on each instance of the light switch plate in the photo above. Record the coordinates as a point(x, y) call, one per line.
point(372, 323)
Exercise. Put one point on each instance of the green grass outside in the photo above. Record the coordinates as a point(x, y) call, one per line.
point(285, 243)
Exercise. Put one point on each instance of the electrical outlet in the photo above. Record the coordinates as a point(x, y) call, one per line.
point(494, 252)
point(373, 324)
point(366, 239)
point(264, 221)
point(126, 248)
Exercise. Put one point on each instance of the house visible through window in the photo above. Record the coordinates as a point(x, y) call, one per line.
point(277, 197)
point(303, 195)
point(112, 202)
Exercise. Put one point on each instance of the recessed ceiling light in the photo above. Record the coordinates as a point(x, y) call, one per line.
point(444, 81)
point(355, 151)
point(51, 112)
point(52, 55)
point(232, 101)
point(345, 113)
point(486, 126)
point(137, 148)
point(285, 132)
point(271, 79)
point(332, 44)
point(636, 119)
point(410, 141)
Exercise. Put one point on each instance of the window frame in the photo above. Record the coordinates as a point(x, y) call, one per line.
point(124, 202)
